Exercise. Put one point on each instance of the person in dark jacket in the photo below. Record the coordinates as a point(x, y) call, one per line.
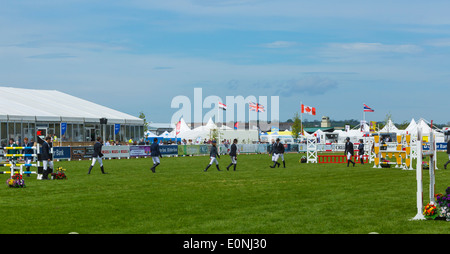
point(214, 155)
point(281, 153)
point(97, 155)
point(276, 153)
point(448, 152)
point(156, 154)
point(361, 151)
point(233, 155)
point(46, 157)
point(349, 151)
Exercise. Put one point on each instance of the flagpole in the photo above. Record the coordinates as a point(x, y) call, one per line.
point(218, 118)
point(301, 118)
point(364, 114)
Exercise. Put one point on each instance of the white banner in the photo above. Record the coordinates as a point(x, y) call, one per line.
point(116, 151)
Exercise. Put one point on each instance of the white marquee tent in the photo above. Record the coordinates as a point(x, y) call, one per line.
point(389, 127)
point(24, 111)
point(19, 104)
point(204, 132)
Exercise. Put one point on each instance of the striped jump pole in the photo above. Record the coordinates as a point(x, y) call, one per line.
point(26, 165)
point(20, 148)
point(19, 155)
point(28, 152)
point(27, 172)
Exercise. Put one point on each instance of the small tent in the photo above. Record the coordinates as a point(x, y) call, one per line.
point(389, 127)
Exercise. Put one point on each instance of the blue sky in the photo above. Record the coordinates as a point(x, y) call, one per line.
point(137, 55)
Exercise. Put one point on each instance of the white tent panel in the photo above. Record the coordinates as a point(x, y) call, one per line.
point(389, 127)
point(51, 105)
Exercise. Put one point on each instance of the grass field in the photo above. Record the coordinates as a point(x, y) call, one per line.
point(182, 199)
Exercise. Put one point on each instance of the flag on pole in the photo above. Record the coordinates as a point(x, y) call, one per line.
point(178, 128)
point(256, 107)
point(368, 109)
point(308, 110)
point(222, 106)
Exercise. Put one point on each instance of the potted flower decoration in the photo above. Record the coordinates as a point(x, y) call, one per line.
point(430, 212)
point(59, 174)
point(443, 203)
point(303, 159)
point(16, 181)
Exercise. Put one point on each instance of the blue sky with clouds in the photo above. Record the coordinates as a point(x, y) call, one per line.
point(137, 55)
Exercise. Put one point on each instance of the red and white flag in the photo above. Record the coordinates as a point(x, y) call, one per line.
point(178, 128)
point(222, 106)
point(308, 110)
point(256, 107)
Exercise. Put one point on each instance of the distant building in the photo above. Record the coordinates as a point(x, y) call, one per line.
point(31, 113)
point(326, 123)
point(160, 128)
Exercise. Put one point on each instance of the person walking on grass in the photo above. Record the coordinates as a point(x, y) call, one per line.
point(273, 148)
point(233, 155)
point(214, 155)
point(361, 151)
point(97, 155)
point(349, 151)
point(276, 153)
point(46, 157)
point(156, 154)
point(281, 152)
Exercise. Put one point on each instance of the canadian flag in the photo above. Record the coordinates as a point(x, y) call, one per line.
point(308, 110)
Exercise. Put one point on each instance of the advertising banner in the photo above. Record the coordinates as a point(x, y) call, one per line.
point(139, 151)
point(439, 146)
point(81, 153)
point(193, 149)
point(61, 153)
point(116, 151)
point(168, 149)
point(63, 129)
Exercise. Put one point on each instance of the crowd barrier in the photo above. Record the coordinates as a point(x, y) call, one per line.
point(119, 152)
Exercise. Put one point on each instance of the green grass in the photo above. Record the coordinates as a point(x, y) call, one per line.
point(182, 199)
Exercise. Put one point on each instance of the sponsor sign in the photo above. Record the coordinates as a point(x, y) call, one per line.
point(116, 151)
point(61, 153)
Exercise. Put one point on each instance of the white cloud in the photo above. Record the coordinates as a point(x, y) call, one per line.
point(279, 44)
point(439, 42)
point(377, 47)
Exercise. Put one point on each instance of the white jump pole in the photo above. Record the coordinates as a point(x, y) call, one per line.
point(432, 153)
point(419, 215)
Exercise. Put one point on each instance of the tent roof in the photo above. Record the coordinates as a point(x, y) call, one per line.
point(389, 127)
point(211, 125)
point(51, 105)
point(184, 126)
point(150, 134)
point(324, 129)
point(412, 126)
point(422, 124)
